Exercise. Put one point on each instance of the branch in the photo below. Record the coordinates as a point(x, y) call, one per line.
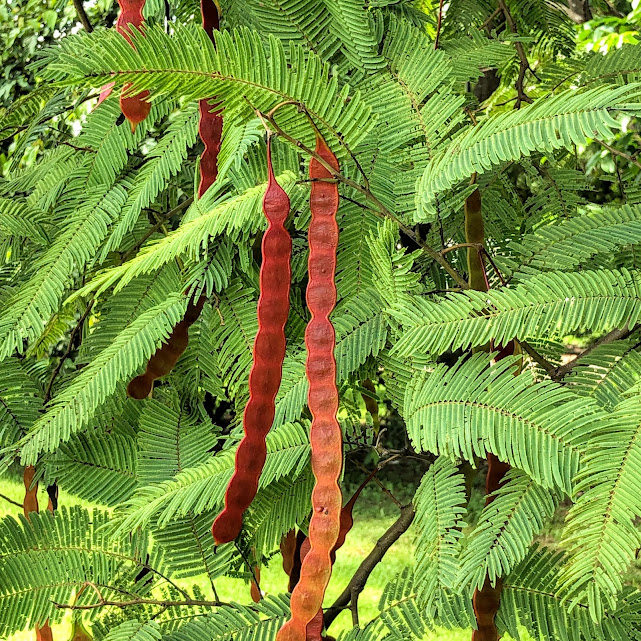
point(438, 24)
point(524, 65)
point(380, 209)
point(618, 152)
point(63, 358)
point(82, 15)
point(351, 593)
point(541, 360)
point(610, 337)
point(6, 498)
point(152, 230)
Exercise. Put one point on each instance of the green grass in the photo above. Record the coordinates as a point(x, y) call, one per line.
point(372, 516)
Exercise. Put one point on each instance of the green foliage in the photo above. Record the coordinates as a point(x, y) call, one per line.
point(470, 409)
point(103, 242)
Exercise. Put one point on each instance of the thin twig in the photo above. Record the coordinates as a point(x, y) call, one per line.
point(82, 15)
point(541, 360)
point(524, 65)
point(438, 24)
point(378, 482)
point(618, 152)
point(493, 15)
point(610, 337)
point(379, 210)
point(357, 583)
point(6, 498)
point(152, 230)
point(63, 358)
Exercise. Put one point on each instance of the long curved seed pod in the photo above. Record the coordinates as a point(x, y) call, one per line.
point(210, 124)
point(135, 108)
point(166, 356)
point(267, 365)
point(325, 435)
point(315, 626)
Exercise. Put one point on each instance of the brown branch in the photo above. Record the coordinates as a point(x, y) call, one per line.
point(6, 498)
point(541, 360)
point(439, 23)
point(82, 15)
point(161, 221)
point(559, 373)
point(349, 596)
point(524, 65)
point(610, 337)
point(63, 358)
point(379, 210)
point(618, 152)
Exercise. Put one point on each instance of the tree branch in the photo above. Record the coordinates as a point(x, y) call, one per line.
point(6, 498)
point(63, 358)
point(349, 596)
point(618, 152)
point(439, 23)
point(524, 65)
point(161, 221)
point(541, 360)
point(82, 15)
point(610, 337)
point(379, 209)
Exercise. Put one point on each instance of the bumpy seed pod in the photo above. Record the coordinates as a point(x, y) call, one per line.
point(210, 124)
point(267, 365)
point(315, 626)
point(325, 435)
point(166, 356)
point(135, 108)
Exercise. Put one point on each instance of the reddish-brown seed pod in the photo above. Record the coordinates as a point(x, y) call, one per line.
point(135, 108)
point(267, 365)
point(325, 435)
point(210, 124)
point(166, 356)
point(30, 503)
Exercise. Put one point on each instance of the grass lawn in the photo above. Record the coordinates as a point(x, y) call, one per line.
point(369, 523)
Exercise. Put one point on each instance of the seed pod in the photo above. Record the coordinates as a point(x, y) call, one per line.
point(210, 124)
point(166, 356)
point(135, 108)
point(325, 435)
point(267, 365)
point(30, 503)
